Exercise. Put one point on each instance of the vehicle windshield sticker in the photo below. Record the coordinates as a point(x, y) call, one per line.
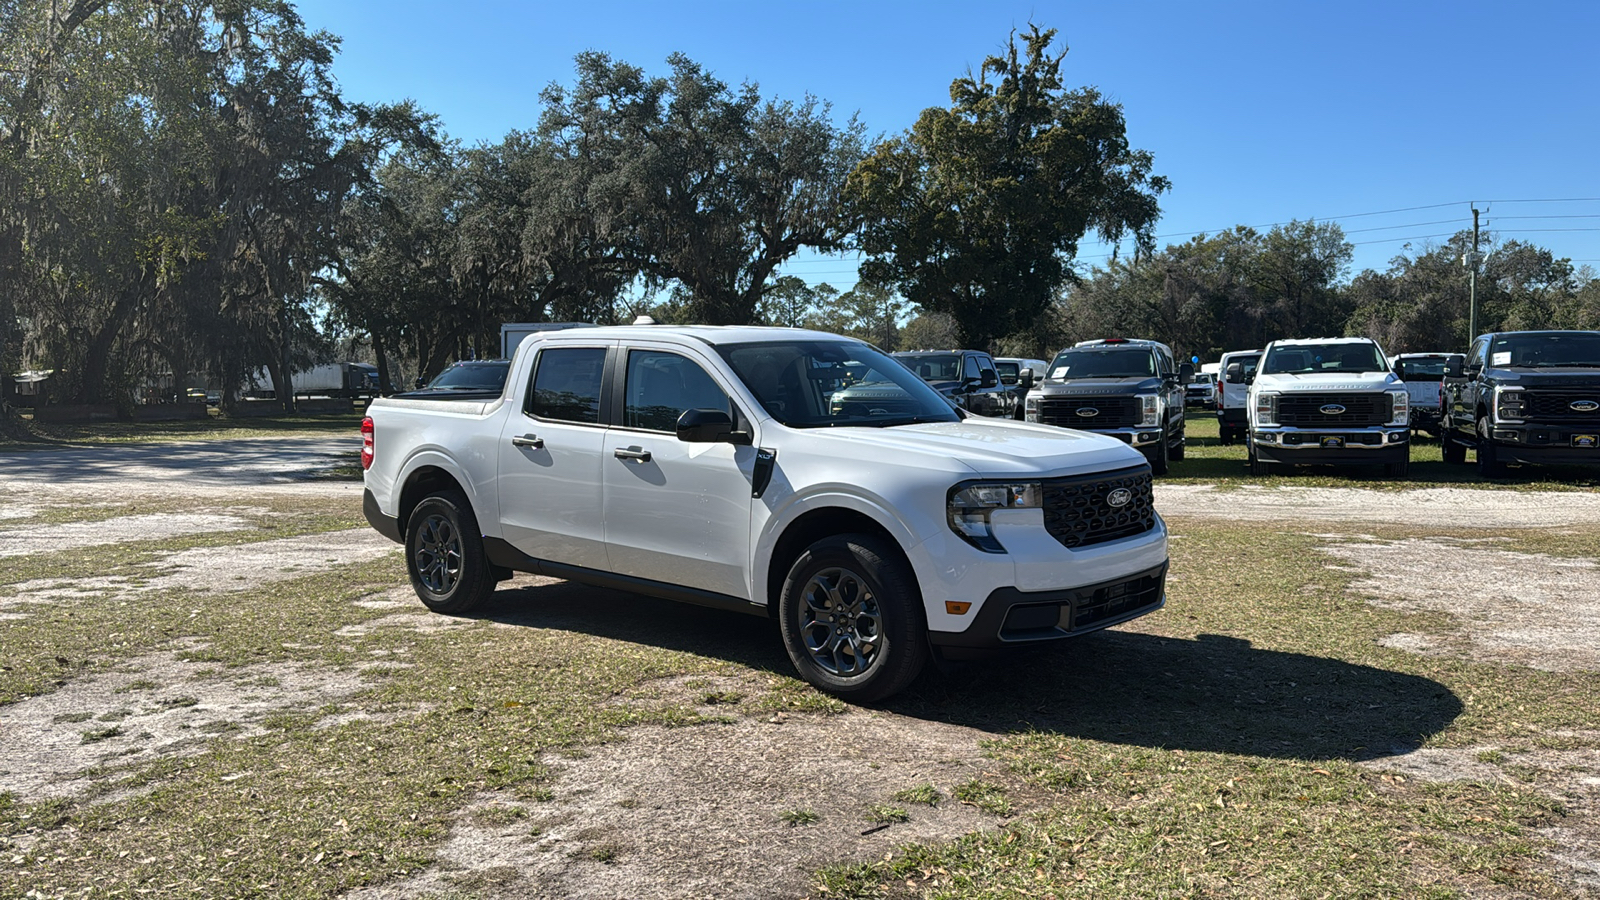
point(1500, 359)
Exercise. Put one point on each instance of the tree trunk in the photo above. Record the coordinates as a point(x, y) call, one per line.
point(282, 381)
point(385, 384)
point(97, 355)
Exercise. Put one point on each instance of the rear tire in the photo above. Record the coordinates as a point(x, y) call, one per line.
point(852, 619)
point(444, 554)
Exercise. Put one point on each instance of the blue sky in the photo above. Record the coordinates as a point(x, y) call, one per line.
point(1258, 112)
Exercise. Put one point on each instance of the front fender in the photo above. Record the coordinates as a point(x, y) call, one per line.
point(791, 508)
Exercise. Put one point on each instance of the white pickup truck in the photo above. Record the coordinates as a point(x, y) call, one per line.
point(1327, 400)
point(710, 465)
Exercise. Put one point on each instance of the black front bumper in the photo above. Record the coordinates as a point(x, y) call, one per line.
point(388, 526)
point(1010, 617)
point(1548, 445)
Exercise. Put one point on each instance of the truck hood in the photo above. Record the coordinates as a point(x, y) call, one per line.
point(995, 447)
point(1326, 381)
point(1573, 377)
point(1100, 387)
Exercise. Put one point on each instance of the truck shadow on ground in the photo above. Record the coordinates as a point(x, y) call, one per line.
point(1210, 694)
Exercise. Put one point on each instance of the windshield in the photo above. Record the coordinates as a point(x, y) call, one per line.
point(486, 376)
point(1311, 359)
point(822, 383)
point(1429, 368)
point(1119, 363)
point(933, 366)
point(1578, 349)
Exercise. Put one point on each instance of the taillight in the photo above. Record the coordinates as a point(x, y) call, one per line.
point(366, 443)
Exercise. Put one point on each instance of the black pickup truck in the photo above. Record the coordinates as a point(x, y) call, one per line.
point(1129, 389)
point(1523, 397)
point(968, 377)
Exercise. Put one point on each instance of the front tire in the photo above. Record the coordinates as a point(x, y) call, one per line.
point(1157, 455)
point(1454, 452)
point(852, 619)
point(1489, 464)
point(1176, 452)
point(444, 554)
point(1397, 469)
point(1258, 466)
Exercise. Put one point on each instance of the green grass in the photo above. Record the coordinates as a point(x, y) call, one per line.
point(1211, 748)
point(217, 427)
point(1207, 461)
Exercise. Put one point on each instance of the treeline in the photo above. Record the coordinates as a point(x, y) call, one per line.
point(186, 193)
point(1241, 289)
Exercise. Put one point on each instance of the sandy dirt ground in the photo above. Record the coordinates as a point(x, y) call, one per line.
point(657, 814)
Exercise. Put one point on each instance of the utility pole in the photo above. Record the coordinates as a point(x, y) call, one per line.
point(1472, 282)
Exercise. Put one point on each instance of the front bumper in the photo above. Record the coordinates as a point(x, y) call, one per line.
point(1011, 617)
point(1351, 446)
point(1551, 445)
point(1140, 438)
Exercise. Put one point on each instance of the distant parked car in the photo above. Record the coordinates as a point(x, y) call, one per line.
point(1233, 392)
point(473, 379)
point(968, 377)
point(1422, 373)
point(1011, 370)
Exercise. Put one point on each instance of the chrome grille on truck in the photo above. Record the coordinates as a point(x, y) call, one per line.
point(1342, 410)
point(1078, 511)
point(1577, 406)
point(1071, 412)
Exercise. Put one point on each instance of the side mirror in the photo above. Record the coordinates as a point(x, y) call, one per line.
point(705, 426)
point(989, 378)
point(1452, 367)
point(421, 382)
point(1186, 373)
point(1025, 378)
point(1234, 374)
point(1400, 371)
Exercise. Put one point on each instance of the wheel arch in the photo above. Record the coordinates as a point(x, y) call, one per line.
point(812, 526)
point(419, 483)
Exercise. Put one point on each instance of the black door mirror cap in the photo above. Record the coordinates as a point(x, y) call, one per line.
point(988, 378)
point(709, 426)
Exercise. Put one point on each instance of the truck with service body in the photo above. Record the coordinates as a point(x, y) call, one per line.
point(1422, 374)
point(1129, 389)
point(1529, 397)
point(710, 465)
point(1233, 394)
point(1328, 400)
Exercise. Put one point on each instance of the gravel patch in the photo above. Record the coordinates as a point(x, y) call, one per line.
point(1444, 507)
point(123, 529)
point(698, 812)
point(1526, 608)
point(233, 567)
point(52, 741)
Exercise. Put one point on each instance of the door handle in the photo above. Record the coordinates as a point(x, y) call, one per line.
point(632, 453)
point(531, 441)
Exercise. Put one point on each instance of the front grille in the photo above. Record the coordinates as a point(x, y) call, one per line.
point(1556, 406)
point(1360, 410)
point(1110, 412)
point(1077, 511)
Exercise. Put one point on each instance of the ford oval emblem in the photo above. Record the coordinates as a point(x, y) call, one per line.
point(1332, 409)
point(1584, 405)
point(1120, 497)
point(1088, 412)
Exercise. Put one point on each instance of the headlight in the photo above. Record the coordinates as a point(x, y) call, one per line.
point(1030, 408)
point(1149, 410)
point(1399, 408)
point(1508, 405)
point(1266, 409)
point(970, 505)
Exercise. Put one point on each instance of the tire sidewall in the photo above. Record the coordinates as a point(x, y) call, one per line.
point(904, 622)
point(475, 581)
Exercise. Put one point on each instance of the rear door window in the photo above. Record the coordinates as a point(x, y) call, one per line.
point(567, 383)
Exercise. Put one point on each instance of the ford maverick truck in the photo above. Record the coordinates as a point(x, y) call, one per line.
point(714, 466)
point(1524, 397)
point(1328, 400)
